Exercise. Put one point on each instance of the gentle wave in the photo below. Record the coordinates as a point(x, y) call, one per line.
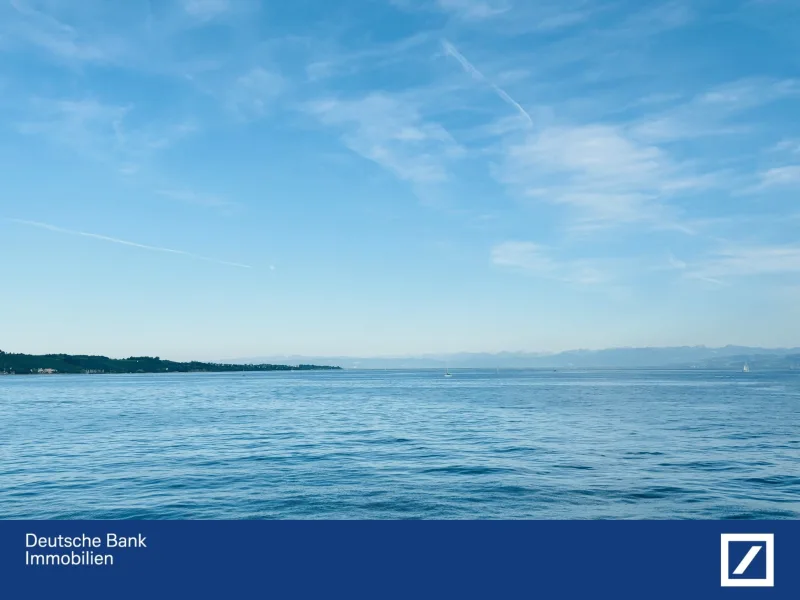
point(401, 445)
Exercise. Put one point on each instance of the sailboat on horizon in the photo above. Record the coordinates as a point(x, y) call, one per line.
point(447, 373)
point(746, 368)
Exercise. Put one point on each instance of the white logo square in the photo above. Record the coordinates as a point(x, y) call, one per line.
point(768, 541)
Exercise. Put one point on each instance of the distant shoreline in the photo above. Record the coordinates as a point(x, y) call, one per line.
point(281, 370)
point(455, 371)
point(69, 364)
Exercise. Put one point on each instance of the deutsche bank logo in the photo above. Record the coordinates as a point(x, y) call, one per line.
point(748, 560)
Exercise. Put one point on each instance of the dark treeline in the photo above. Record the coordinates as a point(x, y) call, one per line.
point(24, 364)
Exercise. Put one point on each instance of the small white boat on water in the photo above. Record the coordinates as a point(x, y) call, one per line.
point(746, 368)
point(447, 373)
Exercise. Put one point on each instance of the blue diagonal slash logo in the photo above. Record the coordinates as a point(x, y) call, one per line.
point(747, 560)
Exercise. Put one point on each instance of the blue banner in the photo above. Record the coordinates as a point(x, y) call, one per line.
point(399, 559)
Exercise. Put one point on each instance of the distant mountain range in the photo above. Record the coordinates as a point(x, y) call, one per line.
point(699, 357)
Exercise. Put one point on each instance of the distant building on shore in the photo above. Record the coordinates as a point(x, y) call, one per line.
point(47, 371)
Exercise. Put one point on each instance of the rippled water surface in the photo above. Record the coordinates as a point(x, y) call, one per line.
point(401, 444)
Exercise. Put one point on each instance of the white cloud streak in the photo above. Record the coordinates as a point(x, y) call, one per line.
point(205, 9)
point(100, 131)
point(255, 93)
point(105, 238)
point(474, 9)
point(790, 146)
point(711, 112)
point(606, 177)
point(392, 132)
point(742, 261)
point(26, 23)
point(476, 74)
point(787, 176)
point(534, 259)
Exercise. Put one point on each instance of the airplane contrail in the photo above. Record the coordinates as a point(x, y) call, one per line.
point(113, 240)
point(470, 68)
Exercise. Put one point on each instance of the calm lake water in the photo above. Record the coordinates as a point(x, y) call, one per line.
point(401, 444)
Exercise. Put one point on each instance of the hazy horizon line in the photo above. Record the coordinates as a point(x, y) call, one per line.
point(527, 352)
point(420, 356)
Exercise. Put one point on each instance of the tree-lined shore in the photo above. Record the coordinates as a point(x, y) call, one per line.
point(28, 364)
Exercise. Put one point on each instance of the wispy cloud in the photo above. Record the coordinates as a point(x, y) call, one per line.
point(563, 19)
point(474, 9)
point(392, 132)
point(790, 146)
point(105, 238)
point(705, 278)
point(329, 59)
point(655, 18)
point(535, 259)
point(779, 177)
point(607, 39)
point(676, 263)
point(100, 130)
point(206, 9)
point(507, 17)
point(470, 68)
point(81, 123)
point(712, 112)
point(254, 94)
point(603, 175)
point(630, 172)
point(27, 23)
point(748, 260)
point(467, 10)
point(141, 36)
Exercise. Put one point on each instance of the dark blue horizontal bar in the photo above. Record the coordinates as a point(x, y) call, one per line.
point(394, 559)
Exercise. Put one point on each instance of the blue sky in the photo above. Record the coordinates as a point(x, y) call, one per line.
point(222, 178)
